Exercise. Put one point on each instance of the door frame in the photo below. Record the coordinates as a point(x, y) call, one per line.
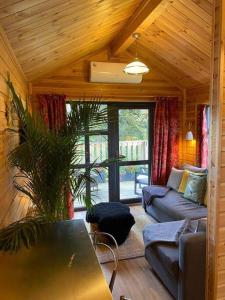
point(113, 148)
point(113, 134)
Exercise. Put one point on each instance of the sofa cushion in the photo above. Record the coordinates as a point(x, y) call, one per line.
point(168, 254)
point(184, 181)
point(175, 178)
point(194, 169)
point(196, 187)
point(178, 208)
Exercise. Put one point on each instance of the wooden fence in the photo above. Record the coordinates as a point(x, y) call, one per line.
point(133, 150)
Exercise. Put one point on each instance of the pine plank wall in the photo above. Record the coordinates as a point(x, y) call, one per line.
point(13, 206)
point(73, 81)
point(194, 97)
point(216, 217)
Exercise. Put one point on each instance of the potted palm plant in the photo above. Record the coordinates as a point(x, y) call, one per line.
point(46, 164)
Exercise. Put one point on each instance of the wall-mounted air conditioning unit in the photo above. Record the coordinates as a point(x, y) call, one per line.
point(111, 73)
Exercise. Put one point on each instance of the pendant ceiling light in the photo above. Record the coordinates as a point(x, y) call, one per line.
point(136, 66)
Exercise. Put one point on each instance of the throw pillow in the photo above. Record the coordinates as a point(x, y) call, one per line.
point(175, 179)
point(184, 181)
point(194, 169)
point(196, 187)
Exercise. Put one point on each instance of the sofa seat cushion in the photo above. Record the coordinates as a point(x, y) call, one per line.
point(178, 208)
point(168, 254)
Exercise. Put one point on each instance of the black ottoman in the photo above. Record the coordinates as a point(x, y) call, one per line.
point(113, 217)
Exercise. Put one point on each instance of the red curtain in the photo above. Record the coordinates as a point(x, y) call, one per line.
point(202, 136)
point(53, 110)
point(165, 147)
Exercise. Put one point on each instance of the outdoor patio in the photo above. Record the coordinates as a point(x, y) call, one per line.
point(101, 194)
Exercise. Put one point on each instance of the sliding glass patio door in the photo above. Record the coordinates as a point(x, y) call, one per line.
point(93, 148)
point(127, 134)
point(132, 139)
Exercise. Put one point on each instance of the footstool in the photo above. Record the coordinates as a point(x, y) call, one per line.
point(113, 217)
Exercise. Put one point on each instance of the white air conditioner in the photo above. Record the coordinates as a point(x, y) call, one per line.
point(111, 73)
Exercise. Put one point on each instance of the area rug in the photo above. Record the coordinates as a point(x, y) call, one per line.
point(133, 247)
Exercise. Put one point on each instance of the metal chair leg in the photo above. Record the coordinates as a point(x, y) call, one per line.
point(112, 281)
point(114, 253)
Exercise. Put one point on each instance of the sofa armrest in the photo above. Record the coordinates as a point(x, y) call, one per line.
point(192, 261)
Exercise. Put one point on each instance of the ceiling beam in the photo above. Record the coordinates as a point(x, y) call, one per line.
point(143, 17)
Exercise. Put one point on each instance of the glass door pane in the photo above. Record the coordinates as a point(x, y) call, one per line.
point(134, 145)
point(98, 148)
point(132, 180)
point(133, 134)
point(78, 201)
point(100, 190)
point(99, 153)
point(93, 149)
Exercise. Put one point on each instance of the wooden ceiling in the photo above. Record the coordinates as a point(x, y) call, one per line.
point(182, 37)
point(46, 34)
point(176, 34)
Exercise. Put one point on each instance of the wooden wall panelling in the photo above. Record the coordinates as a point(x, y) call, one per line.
point(194, 97)
point(73, 80)
point(13, 205)
point(216, 225)
point(181, 108)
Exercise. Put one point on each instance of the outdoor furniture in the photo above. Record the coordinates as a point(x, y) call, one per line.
point(141, 179)
point(113, 217)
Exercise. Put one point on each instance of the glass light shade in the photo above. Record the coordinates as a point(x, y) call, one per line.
point(189, 136)
point(136, 67)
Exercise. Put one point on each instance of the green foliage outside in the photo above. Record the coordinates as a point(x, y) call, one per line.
point(133, 124)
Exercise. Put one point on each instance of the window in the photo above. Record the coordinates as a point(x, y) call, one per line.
point(128, 133)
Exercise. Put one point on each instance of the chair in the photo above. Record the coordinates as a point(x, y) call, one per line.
point(141, 179)
point(105, 237)
point(99, 239)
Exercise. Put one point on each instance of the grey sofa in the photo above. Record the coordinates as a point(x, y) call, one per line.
point(173, 206)
point(181, 267)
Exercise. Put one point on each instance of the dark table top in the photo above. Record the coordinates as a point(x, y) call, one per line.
point(61, 267)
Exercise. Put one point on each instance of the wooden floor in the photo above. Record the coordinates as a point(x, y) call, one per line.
point(135, 278)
